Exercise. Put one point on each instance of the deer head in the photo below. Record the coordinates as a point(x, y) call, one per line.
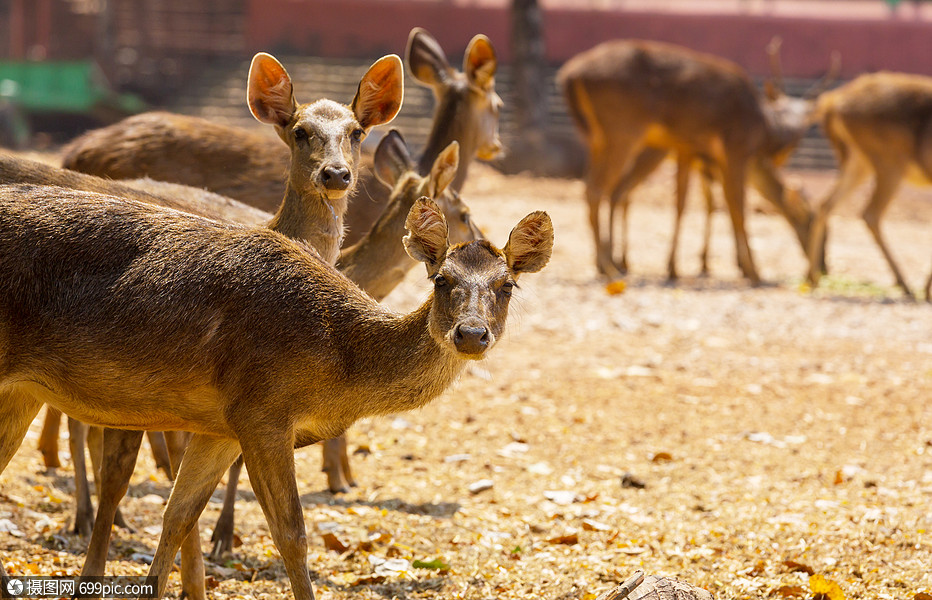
point(324, 136)
point(467, 99)
point(473, 282)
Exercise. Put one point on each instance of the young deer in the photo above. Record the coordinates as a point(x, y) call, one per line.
point(636, 101)
point(323, 139)
point(467, 112)
point(880, 124)
point(126, 315)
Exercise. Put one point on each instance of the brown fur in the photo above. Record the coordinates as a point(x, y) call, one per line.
point(637, 101)
point(126, 315)
point(879, 124)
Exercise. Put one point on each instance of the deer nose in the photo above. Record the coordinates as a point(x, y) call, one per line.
point(470, 339)
point(336, 177)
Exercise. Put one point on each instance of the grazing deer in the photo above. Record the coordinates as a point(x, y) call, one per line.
point(879, 124)
point(636, 101)
point(125, 315)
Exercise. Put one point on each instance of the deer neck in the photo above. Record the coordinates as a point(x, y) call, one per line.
point(452, 122)
point(312, 218)
point(378, 262)
point(402, 368)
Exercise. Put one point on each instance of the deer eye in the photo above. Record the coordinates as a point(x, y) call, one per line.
point(507, 287)
point(357, 134)
point(300, 135)
point(440, 281)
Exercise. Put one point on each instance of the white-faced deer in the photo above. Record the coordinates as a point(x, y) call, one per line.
point(879, 124)
point(125, 315)
point(636, 101)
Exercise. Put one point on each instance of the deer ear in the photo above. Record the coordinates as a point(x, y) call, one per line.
point(479, 64)
point(380, 93)
point(270, 94)
point(425, 59)
point(443, 171)
point(392, 159)
point(530, 244)
point(427, 234)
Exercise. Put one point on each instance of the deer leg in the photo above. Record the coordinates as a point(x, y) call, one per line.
point(192, 560)
point(160, 451)
point(222, 536)
point(929, 288)
point(84, 508)
point(336, 465)
point(95, 447)
point(205, 460)
point(595, 189)
point(706, 181)
point(733, 179)
point(644, 164)
point(683, 164)
point(273, 481)
point(17, 410)
point(888, 181)
point(119, 451)
point(48, 439)
point(853, 172)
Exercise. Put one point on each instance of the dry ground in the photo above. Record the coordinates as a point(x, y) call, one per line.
point(767, 424)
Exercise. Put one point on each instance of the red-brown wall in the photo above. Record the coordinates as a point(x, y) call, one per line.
point(369, 28)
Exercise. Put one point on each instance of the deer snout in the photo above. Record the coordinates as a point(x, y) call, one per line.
point(336, 177)
point(472, 338)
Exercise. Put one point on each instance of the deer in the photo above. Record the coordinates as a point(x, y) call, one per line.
point(637, 101)
point(197, 152)
point(323, 139)
point(879, 124)
point(127, 315)
point(377, 263)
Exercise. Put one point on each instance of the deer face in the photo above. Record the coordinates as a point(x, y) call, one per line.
point(466, 100)
point(473, 282)
point(324, 136)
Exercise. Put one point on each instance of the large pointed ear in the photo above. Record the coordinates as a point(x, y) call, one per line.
point(425, 59)
point(269, 93)
point(443, 170)
point(530, 243)
point(427, 234)
point(392, 159)
point(479, 64)
point(380, 93)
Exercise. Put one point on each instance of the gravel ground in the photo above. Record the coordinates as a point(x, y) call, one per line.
point(734, 437)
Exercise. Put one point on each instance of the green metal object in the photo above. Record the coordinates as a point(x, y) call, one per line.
point(68, 87)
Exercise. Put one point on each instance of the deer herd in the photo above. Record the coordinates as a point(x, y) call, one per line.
point(219, 290)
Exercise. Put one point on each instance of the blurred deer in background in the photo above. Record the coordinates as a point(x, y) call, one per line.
point(637, 101)
point(879, 124)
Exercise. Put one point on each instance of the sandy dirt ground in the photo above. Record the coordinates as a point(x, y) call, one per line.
point(737, 438)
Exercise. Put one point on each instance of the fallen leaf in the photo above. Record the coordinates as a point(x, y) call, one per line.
point(616, 287)
point(561, 497)
point(211, 583)
point(794, 567)
point(839, 478)
point(436, 565)
point(634, 550)
point(593, 525)
point(333, 543)
point(789, 591)
point(369, 580)
point(628, 480)
point(661, 457)
point(567, 540)
point(825, 589)
point(922, 596)
point(480, 486)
